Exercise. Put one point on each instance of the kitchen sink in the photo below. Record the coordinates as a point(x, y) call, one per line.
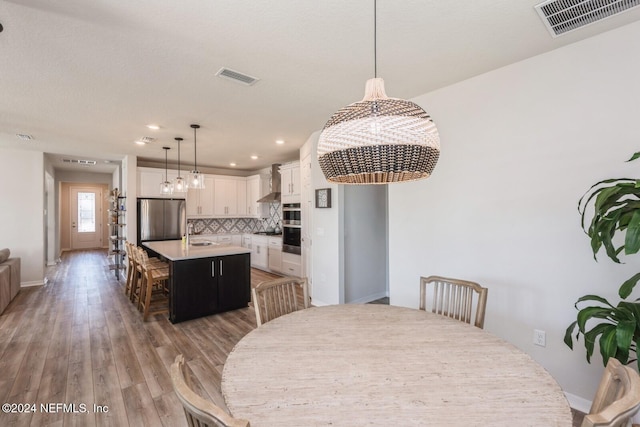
point(203, 243)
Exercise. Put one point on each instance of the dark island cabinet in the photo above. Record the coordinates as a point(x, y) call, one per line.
point(204, 286)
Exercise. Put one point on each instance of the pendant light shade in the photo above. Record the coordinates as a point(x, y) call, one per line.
point(378, 140)
point(196, 179)
point(166, 187)
point(179, 185)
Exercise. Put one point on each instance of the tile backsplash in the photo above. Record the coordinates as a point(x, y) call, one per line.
point(238, 225)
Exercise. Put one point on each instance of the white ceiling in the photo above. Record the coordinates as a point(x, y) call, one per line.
point(85, 77)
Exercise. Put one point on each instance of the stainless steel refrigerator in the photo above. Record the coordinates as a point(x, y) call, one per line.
point(161, 219)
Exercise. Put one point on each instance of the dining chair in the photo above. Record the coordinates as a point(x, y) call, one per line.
point(199, 411)
point(154, 287)
point(275, 298)
point(453, 298)
point(617, 398)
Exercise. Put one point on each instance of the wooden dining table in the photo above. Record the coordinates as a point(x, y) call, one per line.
point(380, 365)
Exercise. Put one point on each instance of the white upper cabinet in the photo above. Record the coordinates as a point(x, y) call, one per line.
point(223, 196)
point(200, 202)
point(149, 180)
point(256, 187)
point(290, 182)
point(230, 196)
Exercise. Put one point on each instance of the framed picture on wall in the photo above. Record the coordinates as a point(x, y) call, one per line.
point(323, 198)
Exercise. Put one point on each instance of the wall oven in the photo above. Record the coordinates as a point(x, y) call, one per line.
point(291, 228)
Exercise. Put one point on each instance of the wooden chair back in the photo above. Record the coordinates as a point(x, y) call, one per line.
point(199, 411)
point(131, 268)
point(453, 298)
point(617, 398)
point(275, 298)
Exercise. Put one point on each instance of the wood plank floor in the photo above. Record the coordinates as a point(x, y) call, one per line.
point(78, 340)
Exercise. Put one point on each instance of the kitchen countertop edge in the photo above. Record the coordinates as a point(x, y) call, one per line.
point(174, 251)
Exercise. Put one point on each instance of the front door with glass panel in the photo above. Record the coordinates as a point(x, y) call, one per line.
point(86, 218)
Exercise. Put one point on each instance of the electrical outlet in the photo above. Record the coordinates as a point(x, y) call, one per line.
point(539, 338)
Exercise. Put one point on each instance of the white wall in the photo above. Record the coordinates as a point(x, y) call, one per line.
point(327, 242)
point(520, 145)
point(22, 213)
point(129, 177)
point(349, 240)
point(50, 217)
point(365, 242)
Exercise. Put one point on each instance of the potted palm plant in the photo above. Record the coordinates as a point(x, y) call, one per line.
point(615, 226)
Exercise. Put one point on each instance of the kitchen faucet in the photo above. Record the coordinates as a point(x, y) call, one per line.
point(189, 231)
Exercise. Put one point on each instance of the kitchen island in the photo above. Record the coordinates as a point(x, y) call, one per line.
point(205, 279)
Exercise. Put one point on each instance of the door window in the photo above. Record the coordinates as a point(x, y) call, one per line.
point(86, 212)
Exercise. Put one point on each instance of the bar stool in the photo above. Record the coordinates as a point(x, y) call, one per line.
point(131, 268)
point(139, 258)
point(154, 291)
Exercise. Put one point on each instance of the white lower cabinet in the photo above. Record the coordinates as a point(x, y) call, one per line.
point(275, 254)
point(225, 239)
point(246, 241)
point(260, 252)
point(291, 264)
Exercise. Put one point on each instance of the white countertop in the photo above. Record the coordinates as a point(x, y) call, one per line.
point(174, 251)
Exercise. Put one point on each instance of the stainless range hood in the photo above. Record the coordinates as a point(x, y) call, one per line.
point(274, 195)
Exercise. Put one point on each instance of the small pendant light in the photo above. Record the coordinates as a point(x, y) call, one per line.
point(196, 179)
point(179, 185)
point(379, 139)
point(165, 187)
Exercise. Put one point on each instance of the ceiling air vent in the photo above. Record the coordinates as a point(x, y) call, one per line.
point(147, 139)
point(562, 16)
point(236, 76)
point(80, 162)
point(24, 136)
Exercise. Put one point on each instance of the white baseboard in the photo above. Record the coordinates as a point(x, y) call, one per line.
point(31, 284)
point(369, 298)
point(578, 403)
point(318, 303)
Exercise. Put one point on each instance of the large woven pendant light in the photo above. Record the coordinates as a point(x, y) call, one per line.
point(196, 179)
point(379, 139)
point(165, 187)
point(179, 185)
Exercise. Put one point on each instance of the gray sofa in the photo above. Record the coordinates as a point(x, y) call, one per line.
point(9, 279)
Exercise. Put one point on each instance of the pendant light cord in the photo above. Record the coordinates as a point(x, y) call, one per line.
point(178, 157)
point(195, 150)
point(195, 147)
point(166, 171)
point(375, 38)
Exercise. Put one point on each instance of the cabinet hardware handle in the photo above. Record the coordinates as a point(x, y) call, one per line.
point(213, 269)
point(221, 267)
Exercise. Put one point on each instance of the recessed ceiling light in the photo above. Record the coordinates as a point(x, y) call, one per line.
point(232, 164)
point(140, 142)
point(154, 127)
point(279, 141)
point(254, 157)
